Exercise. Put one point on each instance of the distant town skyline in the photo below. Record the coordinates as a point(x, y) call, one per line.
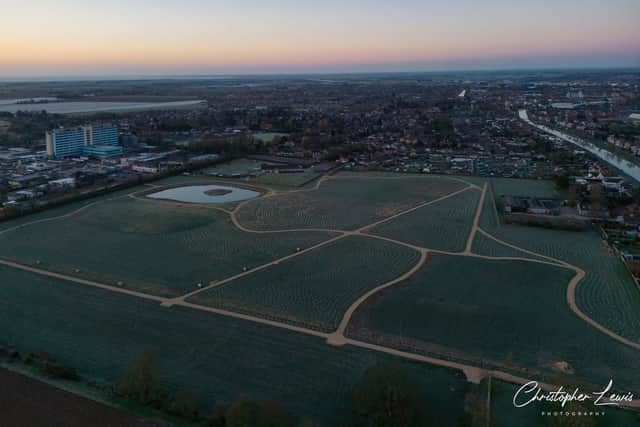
point(198, 37)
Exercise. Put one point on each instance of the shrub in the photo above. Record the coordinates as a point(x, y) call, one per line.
point(141, 383)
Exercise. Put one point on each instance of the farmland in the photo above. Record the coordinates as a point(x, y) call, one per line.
point(444, 225)
point(162, 249)
point(506, 311)
point(344, 203)
point(286, 179)
point(606, 283)
point(290, 296)
point(100, 332)
point(317, 289)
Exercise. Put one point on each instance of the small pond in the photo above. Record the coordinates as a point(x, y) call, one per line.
point(205, 194)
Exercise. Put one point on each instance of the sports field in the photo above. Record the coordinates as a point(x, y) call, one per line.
point(291, 295)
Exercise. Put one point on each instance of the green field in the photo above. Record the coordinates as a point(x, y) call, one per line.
point(607, 293)
point(343, 203)
point(444, 225)
point(100, 333)
point(159, 248)
point(286, 179)
point(507, 312)
point(314, 290)
point(509, 315)
point(485, 246)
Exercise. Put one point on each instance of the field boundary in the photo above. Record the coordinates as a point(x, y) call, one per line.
point(473, 373)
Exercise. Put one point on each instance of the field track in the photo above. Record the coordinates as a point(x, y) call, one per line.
point(473, 373)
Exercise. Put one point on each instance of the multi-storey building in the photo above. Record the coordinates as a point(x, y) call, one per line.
point(65, 142)
point(101, 135)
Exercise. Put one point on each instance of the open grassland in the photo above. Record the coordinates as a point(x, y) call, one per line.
point(483, 245)
point(315, 289)
point(218, 358)
point(476, 180)
point(490, 218)
point(525, 187)
point(343, 203)
point(502, 312)
point(607, 294)
point(286, 179)
point(159, 248)
point(52, 213)
point(444, 225)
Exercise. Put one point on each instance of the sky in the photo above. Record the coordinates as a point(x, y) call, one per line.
point(204, 37)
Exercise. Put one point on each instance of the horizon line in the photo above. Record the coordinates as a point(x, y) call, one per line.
point(204, 76)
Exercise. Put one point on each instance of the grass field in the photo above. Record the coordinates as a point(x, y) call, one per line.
point(607, 293)
point(286, 179)
point(343, 203)
point(513, 312)
point(100, 333)
point(444, 225)
point(485, 246)
point(510, 315)
point(316, 289)
point(67, 208)
point(159, 248)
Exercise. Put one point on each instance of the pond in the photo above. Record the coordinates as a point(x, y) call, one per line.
point(206, 194)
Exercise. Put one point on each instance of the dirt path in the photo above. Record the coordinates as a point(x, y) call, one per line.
point(571, 299)
point(473, 373)
point(262, 267)
point(81, 281)
point(526, 251)
point(55, 218)
point(415, 208)
point(476, 220)
point(338, 338)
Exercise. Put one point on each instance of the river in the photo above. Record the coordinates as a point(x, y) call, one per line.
point(613, 159)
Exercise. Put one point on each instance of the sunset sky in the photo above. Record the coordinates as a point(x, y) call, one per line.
point(144, 37)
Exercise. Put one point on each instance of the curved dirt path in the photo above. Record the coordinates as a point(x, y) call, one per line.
point(472, 373)
point(337, 337)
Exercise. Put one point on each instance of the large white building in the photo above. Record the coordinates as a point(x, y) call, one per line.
point(65, 142)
